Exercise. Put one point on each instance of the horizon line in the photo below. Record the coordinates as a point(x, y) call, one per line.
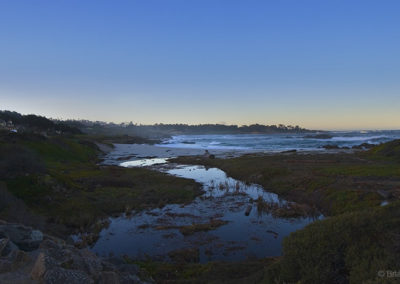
point(216, 123)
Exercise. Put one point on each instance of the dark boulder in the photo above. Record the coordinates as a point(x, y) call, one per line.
point(7, 247)
point(24, 237)
point(363, 146)
point(331, 147)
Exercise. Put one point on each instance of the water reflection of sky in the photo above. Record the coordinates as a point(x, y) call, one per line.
point(217, 183)
point(144, 162)
point(256, 235)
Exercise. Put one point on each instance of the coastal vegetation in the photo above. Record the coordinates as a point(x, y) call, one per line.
point(349, 248)
point(249, 271)
point(358, 238)
point(51, 179)
point(332, 183)
point(59, 178)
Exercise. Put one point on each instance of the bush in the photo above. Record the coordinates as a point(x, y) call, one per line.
point(350, 248)
point(389, 150)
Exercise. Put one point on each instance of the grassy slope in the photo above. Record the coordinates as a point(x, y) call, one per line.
point(335, 183)
point(73, 190)
point(359, 238)
point(349, 248)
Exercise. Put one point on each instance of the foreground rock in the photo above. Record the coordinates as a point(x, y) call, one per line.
point(28, 256)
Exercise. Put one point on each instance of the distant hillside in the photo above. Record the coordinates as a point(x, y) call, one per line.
point(31, 122)
point(166, 130)
point(12, 120)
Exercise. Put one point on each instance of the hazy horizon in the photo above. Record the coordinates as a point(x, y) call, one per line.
point(221, 122)
point(320, 65)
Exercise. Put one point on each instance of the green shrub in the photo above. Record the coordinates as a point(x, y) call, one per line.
point(351, 247)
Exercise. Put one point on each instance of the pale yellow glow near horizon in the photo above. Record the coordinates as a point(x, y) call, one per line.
point(326, 116)
point(388, 121)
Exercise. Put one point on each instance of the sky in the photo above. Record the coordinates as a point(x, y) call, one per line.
point(319, 64)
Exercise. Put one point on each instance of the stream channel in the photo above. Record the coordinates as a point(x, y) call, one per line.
point(154, 233)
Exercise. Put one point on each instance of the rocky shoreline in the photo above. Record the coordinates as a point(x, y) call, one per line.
point(29, 256)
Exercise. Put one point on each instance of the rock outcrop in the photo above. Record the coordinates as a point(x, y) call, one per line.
point(29, 256)
point(364, 146)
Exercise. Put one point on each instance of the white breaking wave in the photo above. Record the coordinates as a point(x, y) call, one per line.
point(358, 138)
point(276, 142)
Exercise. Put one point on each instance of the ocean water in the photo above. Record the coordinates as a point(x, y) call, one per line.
point(279, 142)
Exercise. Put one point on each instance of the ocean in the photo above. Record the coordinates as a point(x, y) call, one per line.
point(280, 142)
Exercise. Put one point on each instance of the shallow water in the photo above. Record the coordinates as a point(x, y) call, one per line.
point(146, 233)
point(143, 162)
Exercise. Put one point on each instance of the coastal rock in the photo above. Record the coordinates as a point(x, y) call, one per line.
point(208, 155)
point(36, 236)
point(9, 248)
point(5, 265)
point(128, 268)
point(49, 270)
point(46, 259)
point(92, 266)
point(42, 265)
point(3, 244)
point(109, 277)
point(61, 275)
point(126, 278)
point(331, 147)
point(19, 258)
point(363, 146)
point(24, 237)
point(14, 261)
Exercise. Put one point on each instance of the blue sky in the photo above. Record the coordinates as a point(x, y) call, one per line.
point(320, 64)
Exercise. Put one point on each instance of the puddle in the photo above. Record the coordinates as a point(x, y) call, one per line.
point(144, 162)
point(154, 233)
